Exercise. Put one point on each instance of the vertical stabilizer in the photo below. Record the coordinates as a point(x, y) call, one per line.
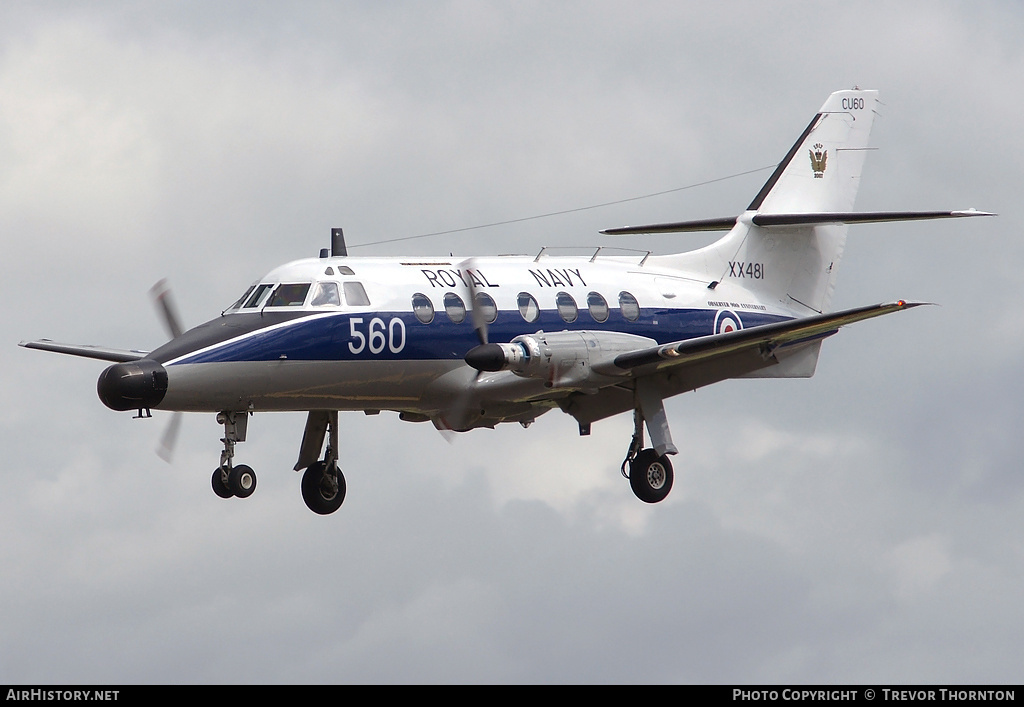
point(783, 260)
point(821, 173)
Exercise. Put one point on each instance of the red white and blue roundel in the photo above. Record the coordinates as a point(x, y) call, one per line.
point(726, 321)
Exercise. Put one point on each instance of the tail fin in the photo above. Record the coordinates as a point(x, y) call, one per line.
point(821, 172)
point(786, 246)
point(791, 256)
point(795, 263)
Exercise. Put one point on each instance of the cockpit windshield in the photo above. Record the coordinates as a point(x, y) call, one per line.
point(258, 296)
point(289, 295)
point(294, 294)
point(326, 294)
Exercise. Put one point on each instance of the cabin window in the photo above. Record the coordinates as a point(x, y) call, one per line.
point(486, 307)
point(355, 295)
point(598, 307)
point(289, 295)
point(528, 307)
point(423, 308)
point(326, 295)
point(258, 296)
point(629, 306)
point(344, 270)
point(566, 307)
point(454, 307)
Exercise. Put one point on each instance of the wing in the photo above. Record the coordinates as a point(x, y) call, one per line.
point(682, 366)
point(766, 339)
point(98, 352)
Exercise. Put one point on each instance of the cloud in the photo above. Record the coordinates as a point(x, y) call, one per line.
point(856, 527)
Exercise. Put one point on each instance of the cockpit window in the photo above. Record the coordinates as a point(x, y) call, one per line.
point(355, 295)
point(238, 302)
point(326, 295)
point(258, 296)
point(289, 295)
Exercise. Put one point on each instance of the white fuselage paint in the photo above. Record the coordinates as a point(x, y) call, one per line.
point(381, 357)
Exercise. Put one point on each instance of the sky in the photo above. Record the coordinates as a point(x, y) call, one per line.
point(862, 526)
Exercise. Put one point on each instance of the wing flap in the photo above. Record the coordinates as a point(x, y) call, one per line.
point(768, 337)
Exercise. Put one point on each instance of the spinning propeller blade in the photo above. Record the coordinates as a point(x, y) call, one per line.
point(170, 438)
point(481, 310)
point(479, 316)
point(161, 294)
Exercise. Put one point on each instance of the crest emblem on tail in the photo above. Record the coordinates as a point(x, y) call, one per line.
point(819, 158)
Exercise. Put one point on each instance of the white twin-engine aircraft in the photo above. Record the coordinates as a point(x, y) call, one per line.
point(473, 343)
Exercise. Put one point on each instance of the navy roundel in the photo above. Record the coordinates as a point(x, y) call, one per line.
point(726, 321)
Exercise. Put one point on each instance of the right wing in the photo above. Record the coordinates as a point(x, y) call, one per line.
point(767, 338)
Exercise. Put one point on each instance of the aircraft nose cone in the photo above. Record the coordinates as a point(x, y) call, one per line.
point(133, 385)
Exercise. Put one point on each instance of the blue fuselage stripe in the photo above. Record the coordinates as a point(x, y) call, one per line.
point(375, 335)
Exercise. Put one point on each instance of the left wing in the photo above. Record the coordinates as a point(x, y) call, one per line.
point(767, 338)
point(98, 352)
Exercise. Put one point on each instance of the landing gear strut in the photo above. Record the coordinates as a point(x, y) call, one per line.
point(650, 471)
point(323, 484)
point(229, 480)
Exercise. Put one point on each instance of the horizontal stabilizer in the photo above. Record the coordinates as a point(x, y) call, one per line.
point(769, 336)
point(98, 352)
point(707, 224)
point(808, 219)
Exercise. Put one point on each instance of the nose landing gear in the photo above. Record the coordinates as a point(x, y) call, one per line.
point(229, 480)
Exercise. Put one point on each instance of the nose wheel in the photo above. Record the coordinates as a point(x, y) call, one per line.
point(238, 481)
point(230, 480)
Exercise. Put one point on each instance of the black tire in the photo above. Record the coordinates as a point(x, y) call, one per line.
point(650, 476)
point(242, 481)
point(318, 490)
point(219, 487)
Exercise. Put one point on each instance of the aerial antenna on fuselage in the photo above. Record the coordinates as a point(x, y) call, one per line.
point(338, 243)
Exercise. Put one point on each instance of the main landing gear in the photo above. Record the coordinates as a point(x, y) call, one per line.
point(650, 471)
point(323, 484)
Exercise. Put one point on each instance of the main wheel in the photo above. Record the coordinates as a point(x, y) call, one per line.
point(323, 492)
point(242, 481)
point(650, 476)
point(219, 486)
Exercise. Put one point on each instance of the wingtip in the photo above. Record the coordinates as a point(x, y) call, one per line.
point(909, 304)
point(973, 212)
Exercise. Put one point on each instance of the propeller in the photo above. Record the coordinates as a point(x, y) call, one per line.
point(479, 318)
point(161, 294)
point(164, 302)
point(169, 439)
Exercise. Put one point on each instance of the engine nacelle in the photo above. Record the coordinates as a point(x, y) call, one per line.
point(563, 359)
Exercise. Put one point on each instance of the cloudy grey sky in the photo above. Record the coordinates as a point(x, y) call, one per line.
point(860, 526)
